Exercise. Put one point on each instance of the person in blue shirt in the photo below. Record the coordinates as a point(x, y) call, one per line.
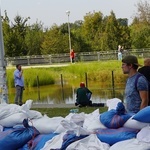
point(136, 97)
point(19, 84)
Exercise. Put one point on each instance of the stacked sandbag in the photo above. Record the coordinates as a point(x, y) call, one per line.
point(13, 139)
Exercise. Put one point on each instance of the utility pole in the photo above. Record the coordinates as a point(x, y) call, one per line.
point(68, 14)
point(3, 84)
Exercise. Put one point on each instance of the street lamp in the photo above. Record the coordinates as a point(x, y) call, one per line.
point(68, 13)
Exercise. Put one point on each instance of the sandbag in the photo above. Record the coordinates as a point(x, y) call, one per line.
point(13, 120)
point(92, 121)
point(115, 118)
point(143, 115)
point(131, 144)
point(15, 138)
point(112, 136)
point(38, 142)
point(134, 124)
point(46, 125)
point(89, 143)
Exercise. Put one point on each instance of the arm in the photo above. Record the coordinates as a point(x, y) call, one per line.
point(144, 98)
point(21, 72)
point(88, 91)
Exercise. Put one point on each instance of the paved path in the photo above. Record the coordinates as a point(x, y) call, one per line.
point(53, 106)
point(40, 66)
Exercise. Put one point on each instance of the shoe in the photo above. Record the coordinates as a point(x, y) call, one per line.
point(76, 104)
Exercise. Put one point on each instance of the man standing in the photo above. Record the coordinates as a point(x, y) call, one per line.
point(136, 97)
point(19, 84)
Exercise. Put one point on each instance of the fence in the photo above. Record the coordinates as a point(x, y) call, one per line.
point(65, 57)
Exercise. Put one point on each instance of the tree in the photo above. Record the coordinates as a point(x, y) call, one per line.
point(143, 12)
point(14, 36)
point(92, 29)
point(55, 41)
point(140, 27)
point(111, 32)
point(34, 38)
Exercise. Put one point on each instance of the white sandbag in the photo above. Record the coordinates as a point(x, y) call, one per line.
point(88, 143)
point(134, 124)
point(78, 118)
point(28, 103)
point(132, 144)
point(33, 114)
point(73, 128)
point(112, 103)
point(144, 135)
point(92, 122)
point(60, 129)
point(54, 143)
point(45, 124)
point(71, 117)
point(68, 117)
point(9, 109)
point(13, 120)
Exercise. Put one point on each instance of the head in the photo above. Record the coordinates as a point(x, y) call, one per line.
point(82, 84)
point(18, 66)
point(147, 62)
point(129, 63)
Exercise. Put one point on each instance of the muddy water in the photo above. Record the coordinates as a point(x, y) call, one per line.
point(56, 94)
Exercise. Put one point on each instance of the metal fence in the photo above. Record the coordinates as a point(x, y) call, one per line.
point(79, 57)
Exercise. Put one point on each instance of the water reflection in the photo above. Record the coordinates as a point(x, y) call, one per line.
point(55, 94)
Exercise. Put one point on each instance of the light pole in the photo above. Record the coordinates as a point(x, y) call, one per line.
point(3, 85)
point(68, 13)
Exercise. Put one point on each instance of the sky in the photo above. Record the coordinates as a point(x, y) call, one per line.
point(51, 12)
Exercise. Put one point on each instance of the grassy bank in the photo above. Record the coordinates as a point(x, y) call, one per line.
point(54, 112)
point(96, 71)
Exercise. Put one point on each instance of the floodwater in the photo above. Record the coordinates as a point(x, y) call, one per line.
point(66, 94)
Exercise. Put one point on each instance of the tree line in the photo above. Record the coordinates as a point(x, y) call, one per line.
point(95, 32)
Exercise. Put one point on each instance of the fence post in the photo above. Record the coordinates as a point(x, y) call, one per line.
point(62, 87)
point(98, 56)
point(113, 84)
point(86, 80)
point(50, 59)
point(38, 88)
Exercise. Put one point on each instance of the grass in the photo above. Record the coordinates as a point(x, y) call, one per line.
point(73, 73)
point(63, 112)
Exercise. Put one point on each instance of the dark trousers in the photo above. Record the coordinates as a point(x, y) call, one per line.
point(19, 94)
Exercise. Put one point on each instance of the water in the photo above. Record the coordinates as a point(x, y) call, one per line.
point(55, 94)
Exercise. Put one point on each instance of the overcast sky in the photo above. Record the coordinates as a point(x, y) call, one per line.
point(54, 11)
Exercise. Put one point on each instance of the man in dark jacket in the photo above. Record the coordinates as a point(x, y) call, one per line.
point(145, 70)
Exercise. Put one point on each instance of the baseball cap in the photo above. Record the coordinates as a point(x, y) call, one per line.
point(130, 59)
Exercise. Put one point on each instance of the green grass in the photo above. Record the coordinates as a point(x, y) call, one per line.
point(96, 71)
point(55, 112)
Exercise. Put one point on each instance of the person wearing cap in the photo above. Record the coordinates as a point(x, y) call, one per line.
point(136, 98)
point(83, 96)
